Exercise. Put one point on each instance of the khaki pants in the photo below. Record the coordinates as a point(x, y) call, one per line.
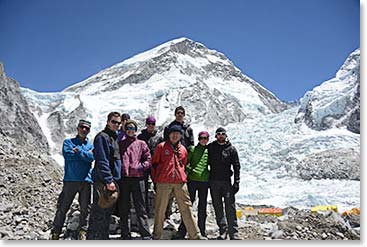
point(184, 204)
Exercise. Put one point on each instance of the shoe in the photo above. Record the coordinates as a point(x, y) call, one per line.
point(128, 237)
point(234, 237)
point(178, 236)
point(54, 236)
point(82, 235)
point(222, 236)
point(146, 238)
point(203, 237)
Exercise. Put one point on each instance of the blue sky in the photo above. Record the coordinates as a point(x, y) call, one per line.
point(288, 46)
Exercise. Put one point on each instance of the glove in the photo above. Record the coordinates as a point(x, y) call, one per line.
point(235, 188)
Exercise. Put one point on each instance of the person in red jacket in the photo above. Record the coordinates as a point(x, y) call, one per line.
point(136, 160)
point(168, 172)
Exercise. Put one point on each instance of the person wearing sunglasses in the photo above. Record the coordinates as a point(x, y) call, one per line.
point(187, 138)
point(136, 160)
point(121, 134)
point(152, 139)
point(106, 171)
point(197, 181)
point(223, 163)
point(78, 158)
point(168, 172)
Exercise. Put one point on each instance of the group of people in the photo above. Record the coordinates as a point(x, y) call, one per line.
point(124, 162)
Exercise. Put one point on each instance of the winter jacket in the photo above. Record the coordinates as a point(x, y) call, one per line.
point(77, 164)
point(107, 165)
point(197, 163)
point(151, 139)
point(169, 163)
point(187, 138)
point(121, 135)
point(221, 160)
point(135, 156)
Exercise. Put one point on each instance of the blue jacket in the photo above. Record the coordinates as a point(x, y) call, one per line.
point(77, 165)
point(107, 155)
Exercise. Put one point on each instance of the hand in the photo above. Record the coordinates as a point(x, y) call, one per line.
point(111, 186)
point(75, 150)
point(235, 188)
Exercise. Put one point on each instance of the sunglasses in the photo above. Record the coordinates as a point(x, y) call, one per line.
point(180, 113)
point(115, 122)
point(203, 138)
point(150, 123)
point(131, 128)
point(84, 127)
point(221, 133)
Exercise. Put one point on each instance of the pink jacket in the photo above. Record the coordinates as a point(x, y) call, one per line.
point(135, 157)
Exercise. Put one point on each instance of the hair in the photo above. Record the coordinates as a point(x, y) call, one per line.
point(179, 108)
point(113, 114)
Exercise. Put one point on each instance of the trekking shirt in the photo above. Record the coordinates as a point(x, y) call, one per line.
point(187, 139)
point(223, 162)
point(107, 166)
point(135, 156)
point(151, 139)
point(168, 164)
point(78, 165)
point(197, 163)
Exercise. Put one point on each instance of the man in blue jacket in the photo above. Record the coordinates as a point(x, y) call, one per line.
point(78, 155)
point(106, 171)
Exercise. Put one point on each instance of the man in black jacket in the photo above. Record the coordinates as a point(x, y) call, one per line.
point(106, 171)
point(187, 138)
point(222, 158)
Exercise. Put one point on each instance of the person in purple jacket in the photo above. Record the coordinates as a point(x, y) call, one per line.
point(136, 159)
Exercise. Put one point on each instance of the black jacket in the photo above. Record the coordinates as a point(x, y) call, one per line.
point(151, 139)
point(223, 162)
point(187, 138)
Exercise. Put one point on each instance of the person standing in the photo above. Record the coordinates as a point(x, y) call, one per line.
point(136, 160)
point(223, 162)
point(121, 134)
point(168, 172)
point(187, 138)
point(78, 156)
point(197, 181)
point(152, 139)
point(106, 171)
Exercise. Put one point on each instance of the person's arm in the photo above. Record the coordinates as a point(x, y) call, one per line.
point(146, 157)
point(102, 157)
point(87, 155)
point(191, 136)
point(68, 150)
point(236, 169)
point(189, 159)
point(156, 161)
point(165, 134)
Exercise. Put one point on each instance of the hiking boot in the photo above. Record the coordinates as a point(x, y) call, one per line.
point(54, 236)
point(146, 238)
point(82, 235)
point(234, 237)
point(178, 236)
point(222, 236)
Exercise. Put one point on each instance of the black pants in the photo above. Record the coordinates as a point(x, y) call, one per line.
point(202, 189)
point(99, 220)
point(69, 190)
point(136, 188)
point(220, 190)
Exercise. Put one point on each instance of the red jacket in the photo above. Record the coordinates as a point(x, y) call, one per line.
point(169, 166)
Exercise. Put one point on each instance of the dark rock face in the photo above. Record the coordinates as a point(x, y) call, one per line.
point(331, 164)
point(16, 120)
point(29, 179)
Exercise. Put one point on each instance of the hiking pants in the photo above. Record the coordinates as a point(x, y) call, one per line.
point(69, 190)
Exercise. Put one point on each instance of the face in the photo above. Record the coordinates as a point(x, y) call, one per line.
point(130, 130)
point(221, 137)
point(180, 116)
point(150, 127)
point(174, 137)
point(203, 140)
point(83, 130)
point(114, 123)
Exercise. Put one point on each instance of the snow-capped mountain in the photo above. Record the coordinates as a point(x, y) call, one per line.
point(284, 162)
point(180, 72)
point(336, 102)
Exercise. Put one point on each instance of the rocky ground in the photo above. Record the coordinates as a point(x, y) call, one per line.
point(29, 185)
point(295, 224)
